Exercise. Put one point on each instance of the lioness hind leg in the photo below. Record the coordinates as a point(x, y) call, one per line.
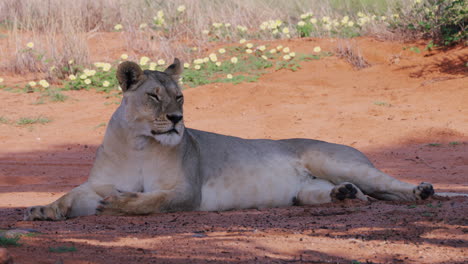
point(339, 163)
point(321, 191)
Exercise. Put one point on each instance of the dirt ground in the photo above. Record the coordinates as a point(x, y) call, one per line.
point(408, 112)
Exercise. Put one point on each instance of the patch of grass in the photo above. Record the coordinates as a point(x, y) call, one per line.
point(32, 121)
point(53, 95)
point(427, 214)
point(62, 249)
point(100, 125)
point(454, 143)
point(434, 144)
point(430, 205)
point(4, 120)
point(380, 103)
point(412, 206)
point(9, 241)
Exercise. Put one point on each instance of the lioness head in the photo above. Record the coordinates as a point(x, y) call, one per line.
point(153, 101)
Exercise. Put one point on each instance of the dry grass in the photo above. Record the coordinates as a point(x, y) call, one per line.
point(60, 29)
point(352, 54)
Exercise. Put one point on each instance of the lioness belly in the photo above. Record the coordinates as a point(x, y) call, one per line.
point(254, 185)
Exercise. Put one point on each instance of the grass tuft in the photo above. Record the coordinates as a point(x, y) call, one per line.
point(62, 249)
point(9, 241)
point(33, 120)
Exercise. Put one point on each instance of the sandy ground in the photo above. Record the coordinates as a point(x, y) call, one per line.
point(393, 111)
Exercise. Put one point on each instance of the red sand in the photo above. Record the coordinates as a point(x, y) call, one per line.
point(391, 111)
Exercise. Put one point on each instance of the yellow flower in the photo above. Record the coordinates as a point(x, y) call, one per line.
point(217, 25)
point(206, 59)
point(279, 47)
point(242, 41)
point(194, 49)
point(275, 31)
point(205, 32)
point(1, 80)
point(350, 23)
point(71, 61)
point(286, 50)
point(142, 26)
point(30, 45)
point(181, 8)
point(261, 48)
point(292, 54)
point(144, 60)
point(218, 63)
point(118, 27)
point(264, 57)
point(221, 51)
point(89, 72)
point(227, 25)
point(248, 51)
point(106, 67)
point(124, 56)
point(345, 20)
point(44, 83)
point(72, 77)
point(32, 84)
point(83, 76)
point(301, 23)
point(197, 67)
point(161, 62)
point(317, 49)
point(417, 1)
point(105, 83)
point(198, 61)
point(213, 57)
point(152, 66)
point(87, 81)
point(186, 65)
point(242, 28)
point(285, 30)
point(160, 14)
point(273, 51)
point(286, 57)
point(234, 60)
point(383, 18)
point(229, 76)
point(249, 45)
point(313, 20)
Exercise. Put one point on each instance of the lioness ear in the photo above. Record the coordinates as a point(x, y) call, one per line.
point(128, 74)
point(175, 70)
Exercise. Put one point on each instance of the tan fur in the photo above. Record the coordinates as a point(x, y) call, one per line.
point(150, 162)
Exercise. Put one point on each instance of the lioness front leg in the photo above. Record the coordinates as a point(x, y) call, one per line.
point(80, 201)
point(133, 203)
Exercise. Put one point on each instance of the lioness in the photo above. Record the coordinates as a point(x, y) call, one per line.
point(150, 162)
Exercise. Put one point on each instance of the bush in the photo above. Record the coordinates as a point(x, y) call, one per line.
point(443, 21)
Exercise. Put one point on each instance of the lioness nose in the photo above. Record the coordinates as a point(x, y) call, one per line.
point(174, 118)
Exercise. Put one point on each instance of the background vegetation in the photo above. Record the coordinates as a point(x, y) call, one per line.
point(51, 36)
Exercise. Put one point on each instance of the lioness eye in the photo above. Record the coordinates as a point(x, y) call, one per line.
point(153, 96)
point(179, 98)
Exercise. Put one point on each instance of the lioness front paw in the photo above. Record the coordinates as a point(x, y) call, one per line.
point(116, 204)
point(423, 191)
point(43, 213)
